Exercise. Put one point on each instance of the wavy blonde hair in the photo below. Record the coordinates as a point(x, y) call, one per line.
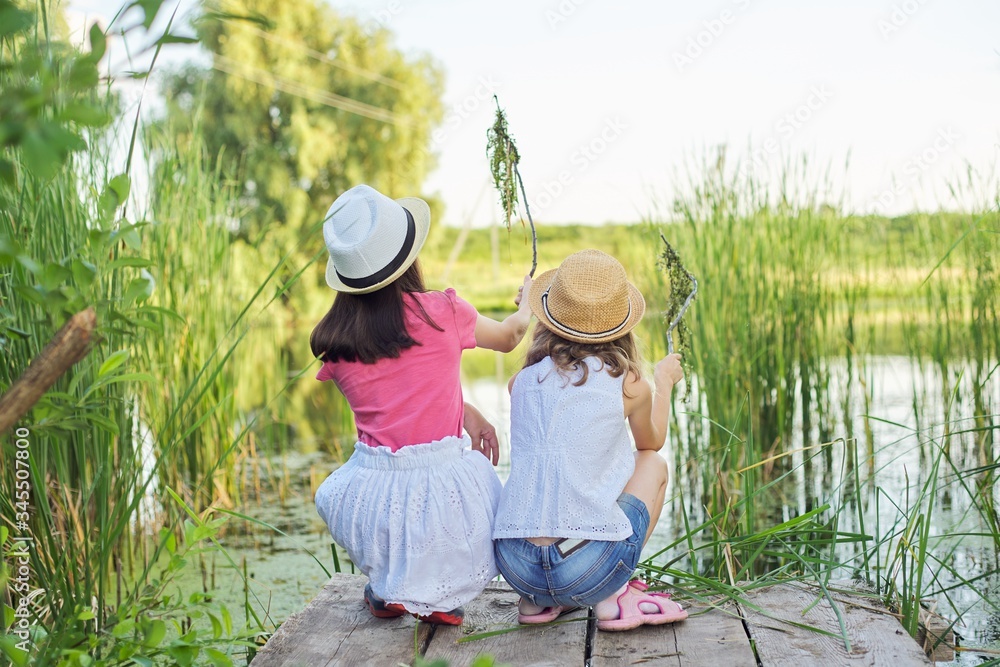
point(619, 356)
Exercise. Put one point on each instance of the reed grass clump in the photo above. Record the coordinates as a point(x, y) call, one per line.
point(799, 307)
point(762, 309)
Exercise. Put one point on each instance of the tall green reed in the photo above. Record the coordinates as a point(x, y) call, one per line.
point(759, 330)
point(796, 298)
point(203, 290)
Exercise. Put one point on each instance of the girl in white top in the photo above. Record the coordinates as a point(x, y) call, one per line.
point(579, 503)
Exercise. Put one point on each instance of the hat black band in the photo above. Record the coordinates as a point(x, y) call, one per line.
point(390, 268)
point(582, 334)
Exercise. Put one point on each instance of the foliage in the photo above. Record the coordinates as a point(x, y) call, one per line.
point(232, 306)
point(309, 104)
point(789, 285)
point(49, 103)
point(504, 158)
point(682, 294)
point(48, 100)
point(502, 153)
point(61, 253)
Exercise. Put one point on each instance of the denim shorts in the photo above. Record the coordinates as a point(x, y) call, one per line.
point(583, 577)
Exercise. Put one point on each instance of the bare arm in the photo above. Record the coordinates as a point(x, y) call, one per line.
point(504, 336)
point(648, 412)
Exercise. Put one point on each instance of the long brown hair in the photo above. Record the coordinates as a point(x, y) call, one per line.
point(369, 327)
point(619, 356)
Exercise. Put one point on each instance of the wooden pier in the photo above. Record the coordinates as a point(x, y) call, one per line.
point(337, 629)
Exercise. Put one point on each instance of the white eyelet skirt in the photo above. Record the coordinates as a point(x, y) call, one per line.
point(418, 522)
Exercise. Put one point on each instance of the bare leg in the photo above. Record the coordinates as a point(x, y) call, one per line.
point(649, 484)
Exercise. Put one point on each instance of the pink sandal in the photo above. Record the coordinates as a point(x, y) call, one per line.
point(546, 615)
point(630, 615)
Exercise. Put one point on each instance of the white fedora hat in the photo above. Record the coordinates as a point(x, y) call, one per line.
point(372, 239)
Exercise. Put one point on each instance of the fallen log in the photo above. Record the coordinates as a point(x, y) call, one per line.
point(70, 344)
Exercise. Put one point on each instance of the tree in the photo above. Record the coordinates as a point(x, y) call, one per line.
point(307, 103)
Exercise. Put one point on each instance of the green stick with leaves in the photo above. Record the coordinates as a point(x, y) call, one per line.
point(503, 155)
point(683, 288)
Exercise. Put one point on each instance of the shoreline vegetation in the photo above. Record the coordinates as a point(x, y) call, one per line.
point(143, 458)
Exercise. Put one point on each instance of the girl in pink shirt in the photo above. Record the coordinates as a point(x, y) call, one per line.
point(414, 505)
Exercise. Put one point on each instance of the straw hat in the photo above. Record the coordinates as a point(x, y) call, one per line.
point(588, 299)
point(372, 239)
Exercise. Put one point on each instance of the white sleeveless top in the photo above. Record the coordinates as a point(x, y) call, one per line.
point(570, 456)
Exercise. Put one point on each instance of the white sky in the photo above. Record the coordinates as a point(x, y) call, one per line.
point(608, 101)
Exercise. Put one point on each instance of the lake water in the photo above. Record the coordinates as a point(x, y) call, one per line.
point(285, 576)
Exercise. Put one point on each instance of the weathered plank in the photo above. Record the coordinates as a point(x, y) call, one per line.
point(936, 637)
point(652, 646)
point(715, 637)
point(558, 644)
point(710, 636)
point(336, 628)
point(876, 639)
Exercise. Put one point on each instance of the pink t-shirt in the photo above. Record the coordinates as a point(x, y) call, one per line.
point(416, 398)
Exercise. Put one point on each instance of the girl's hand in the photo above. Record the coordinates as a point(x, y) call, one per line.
point(668, 371)
point(482, 433)
point(522, 291)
